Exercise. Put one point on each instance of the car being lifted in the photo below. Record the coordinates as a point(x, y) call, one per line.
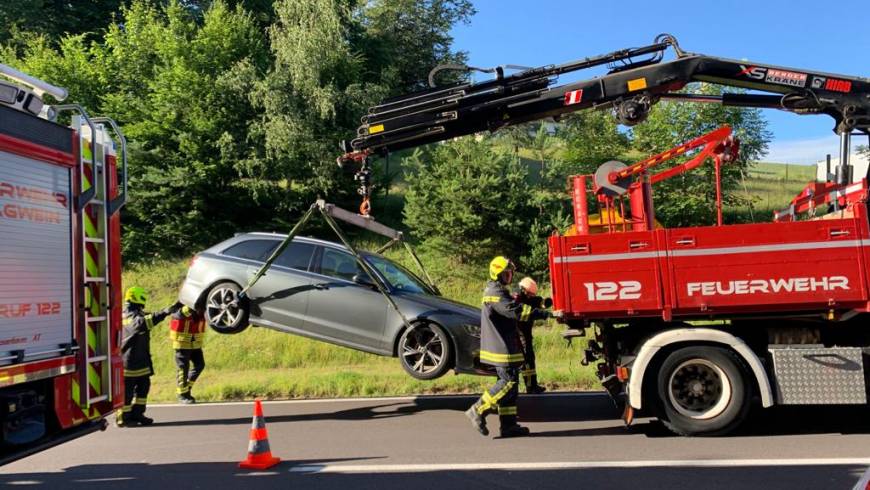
point(316, 288)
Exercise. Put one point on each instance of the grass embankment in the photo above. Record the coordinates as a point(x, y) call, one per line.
point(772, 186)
point(263, 363)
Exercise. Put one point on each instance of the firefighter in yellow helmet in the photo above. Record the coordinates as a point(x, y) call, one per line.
point(532, 310)
point(187, 331)
point(136, 352)
point(500, 347)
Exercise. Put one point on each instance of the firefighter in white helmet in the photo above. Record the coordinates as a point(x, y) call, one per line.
point(533, 309)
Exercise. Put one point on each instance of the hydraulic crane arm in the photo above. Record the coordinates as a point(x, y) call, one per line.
point(637, 79)
point(631, 87)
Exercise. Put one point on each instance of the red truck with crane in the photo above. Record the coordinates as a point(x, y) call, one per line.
point(61, 372)
point(698, 323)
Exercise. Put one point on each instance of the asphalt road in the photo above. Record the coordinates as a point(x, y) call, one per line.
point(425, 442)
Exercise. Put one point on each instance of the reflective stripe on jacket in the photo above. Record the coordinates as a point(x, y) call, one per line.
point(186, 329)
point(499, 338)
point(531, 311)
point(136, 340)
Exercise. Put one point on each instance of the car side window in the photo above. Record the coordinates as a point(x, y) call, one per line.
point(335, 263)
point(296, 256)
point(252, 249)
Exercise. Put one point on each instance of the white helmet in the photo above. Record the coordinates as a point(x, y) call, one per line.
point(529, 285)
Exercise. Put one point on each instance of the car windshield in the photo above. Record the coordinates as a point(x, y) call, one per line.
point(398, 277)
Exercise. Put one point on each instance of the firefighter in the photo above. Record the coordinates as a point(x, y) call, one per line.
point(187, 330)
point(532, 310)
point(500, 347)
point(136, 352)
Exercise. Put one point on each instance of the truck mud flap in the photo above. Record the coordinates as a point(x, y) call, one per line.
point(816, 375)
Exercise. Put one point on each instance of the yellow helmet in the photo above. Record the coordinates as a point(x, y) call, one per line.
point(499, 265)
point(136, 295)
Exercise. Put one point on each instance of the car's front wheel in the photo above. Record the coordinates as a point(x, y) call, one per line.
point(425, 351)
point(225, 312)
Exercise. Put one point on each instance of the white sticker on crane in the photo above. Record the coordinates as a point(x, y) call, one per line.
point(574, 97)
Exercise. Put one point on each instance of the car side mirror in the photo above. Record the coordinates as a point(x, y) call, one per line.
point(363, 280)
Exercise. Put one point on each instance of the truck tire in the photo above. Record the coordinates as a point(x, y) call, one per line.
point(703, 391)
point(224, 311)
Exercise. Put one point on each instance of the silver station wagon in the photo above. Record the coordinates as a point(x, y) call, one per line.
point(316, 289)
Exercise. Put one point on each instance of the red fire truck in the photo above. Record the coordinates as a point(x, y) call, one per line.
point(695, 324)
point(60, 297)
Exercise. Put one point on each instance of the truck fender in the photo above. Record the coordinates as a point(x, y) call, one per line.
point(694, 335)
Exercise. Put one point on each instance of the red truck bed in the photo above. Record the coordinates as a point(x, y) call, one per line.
point(792, 267)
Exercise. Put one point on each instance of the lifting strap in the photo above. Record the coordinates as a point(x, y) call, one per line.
point(330, 213)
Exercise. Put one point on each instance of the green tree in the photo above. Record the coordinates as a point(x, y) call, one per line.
point(179, 86)
point(313, 96)
point(468, 199)
point(181, 89)
point(54, 18)
point(402, 40)
point(583, 141)
point(230, 129)
point(691, 198)
point(334, 59)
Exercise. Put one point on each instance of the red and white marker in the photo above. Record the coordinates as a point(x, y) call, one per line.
point(573, 97)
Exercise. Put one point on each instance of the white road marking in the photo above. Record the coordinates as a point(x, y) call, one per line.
point(686, 463)
point(580, 394)
point(258, 473)
point(103, 480)
point(864, 482)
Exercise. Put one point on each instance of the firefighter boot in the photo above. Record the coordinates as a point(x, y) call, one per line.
point(123, 420)
point(532, 386)
point(535, 389)
point(514, 431)
point(510, 428)
point(136, 416)
point(186, 398)
point(478, 417)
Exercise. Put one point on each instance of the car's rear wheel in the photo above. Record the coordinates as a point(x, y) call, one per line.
point(224, 311)
point(425, 351)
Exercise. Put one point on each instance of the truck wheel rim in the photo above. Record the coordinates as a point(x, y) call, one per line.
point(699, 389)
point(422, 350)
point(222, 310)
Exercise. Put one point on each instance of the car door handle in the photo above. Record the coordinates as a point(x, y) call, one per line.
point(321, 286)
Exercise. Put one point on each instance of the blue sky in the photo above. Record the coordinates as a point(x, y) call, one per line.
point(815, 35)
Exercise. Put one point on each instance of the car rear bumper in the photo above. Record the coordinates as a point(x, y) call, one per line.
point(190, 293)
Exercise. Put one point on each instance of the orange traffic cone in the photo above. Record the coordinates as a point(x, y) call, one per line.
point(259, 455)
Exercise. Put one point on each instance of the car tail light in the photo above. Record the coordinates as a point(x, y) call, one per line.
point(192, 261)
